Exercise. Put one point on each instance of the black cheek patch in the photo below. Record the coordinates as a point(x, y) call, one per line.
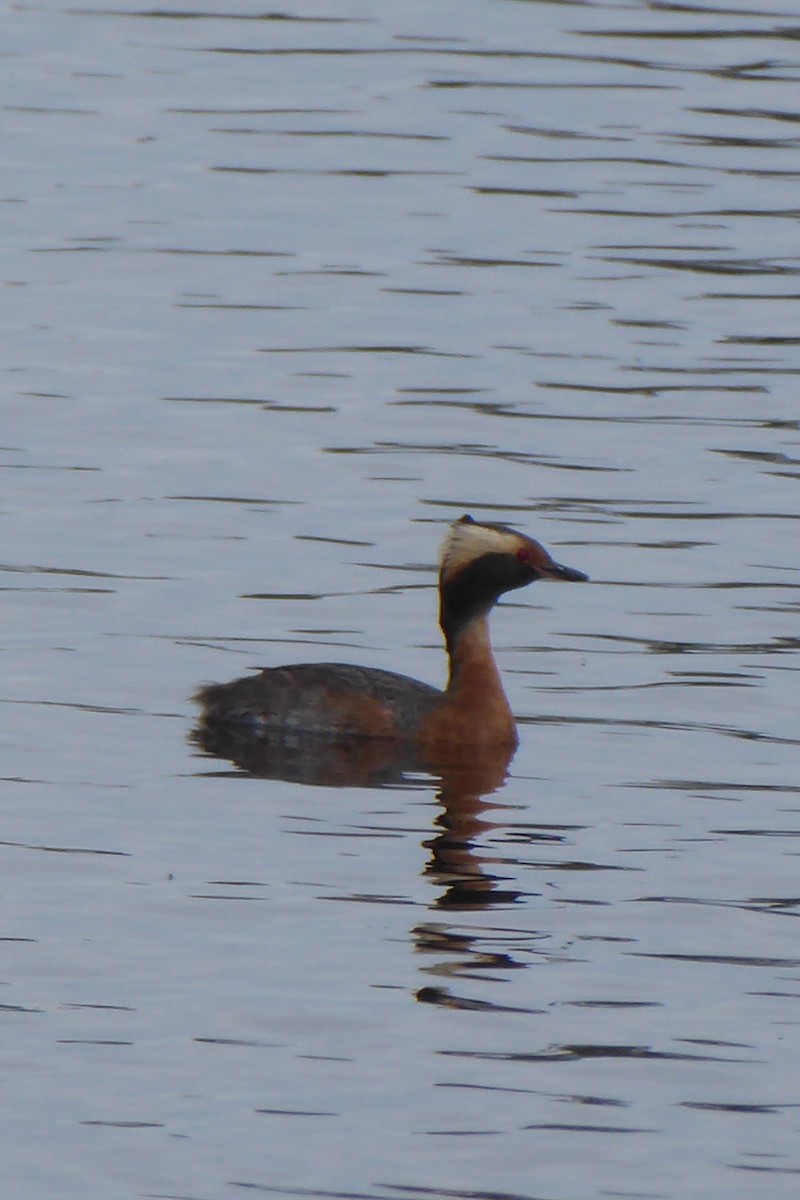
point(474, 590)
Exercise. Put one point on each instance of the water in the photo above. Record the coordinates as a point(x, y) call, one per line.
point(286, 295)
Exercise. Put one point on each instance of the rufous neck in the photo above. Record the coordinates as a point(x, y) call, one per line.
point(473, 670)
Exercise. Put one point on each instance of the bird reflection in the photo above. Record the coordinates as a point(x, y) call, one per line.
point(456, 866)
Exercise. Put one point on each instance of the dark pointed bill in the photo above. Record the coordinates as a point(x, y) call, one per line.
point(555, 570)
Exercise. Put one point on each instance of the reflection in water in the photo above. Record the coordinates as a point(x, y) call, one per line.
point(309, 759)
point(455, 865)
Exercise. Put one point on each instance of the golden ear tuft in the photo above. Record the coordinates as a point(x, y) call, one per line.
point(468, 540)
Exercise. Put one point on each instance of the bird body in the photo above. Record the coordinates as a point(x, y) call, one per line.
point(478, 563)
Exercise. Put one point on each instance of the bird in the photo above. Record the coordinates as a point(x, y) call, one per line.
point(478, 563)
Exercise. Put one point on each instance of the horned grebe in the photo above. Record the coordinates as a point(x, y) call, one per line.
point(478, 563)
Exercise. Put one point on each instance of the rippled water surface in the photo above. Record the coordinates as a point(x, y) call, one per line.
point(287, 293)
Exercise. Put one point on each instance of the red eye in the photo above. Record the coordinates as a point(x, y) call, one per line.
point(523, 555)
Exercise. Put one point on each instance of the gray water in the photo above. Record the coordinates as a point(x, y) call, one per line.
point(284, 295)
